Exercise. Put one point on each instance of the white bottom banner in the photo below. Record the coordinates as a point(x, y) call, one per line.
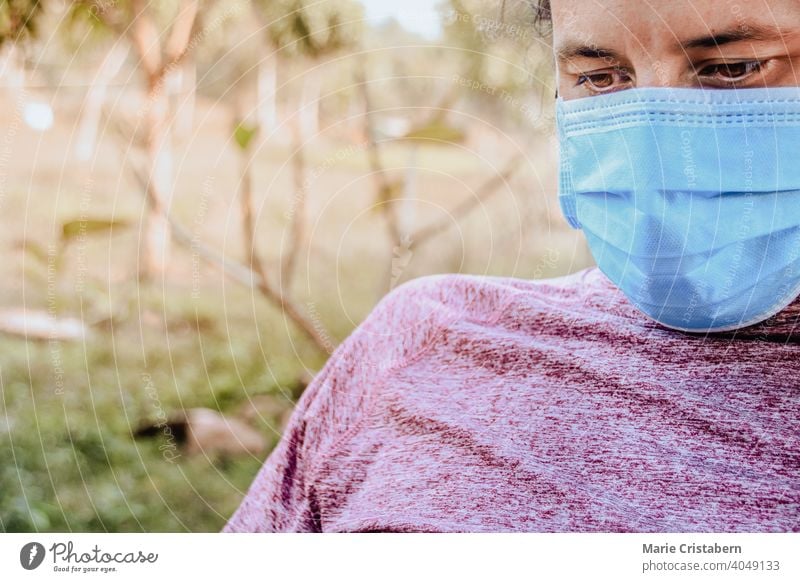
point(406, 557)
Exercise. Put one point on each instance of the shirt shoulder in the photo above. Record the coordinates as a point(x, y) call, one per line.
point(414, 313)
point(421, 311)
point(436, 314)
point(481, 297)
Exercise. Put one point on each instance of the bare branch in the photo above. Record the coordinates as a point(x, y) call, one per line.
point(180, 35)
point(144, 37)
point(248, 215)
point(383, 186)
point(246, 158)
point(484, 192)
point(238, 272)
point(182, 29)
point(298, 208)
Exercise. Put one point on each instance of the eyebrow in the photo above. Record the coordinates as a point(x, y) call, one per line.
point(574, 50)
point(738, 34)
point(751, 32)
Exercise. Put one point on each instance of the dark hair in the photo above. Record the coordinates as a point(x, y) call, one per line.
point(533, 13)
point(541, 11)
point(537, 13)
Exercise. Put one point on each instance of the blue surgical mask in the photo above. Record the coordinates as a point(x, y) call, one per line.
point(689, 199)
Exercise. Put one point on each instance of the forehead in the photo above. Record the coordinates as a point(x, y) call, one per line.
point(648, 20)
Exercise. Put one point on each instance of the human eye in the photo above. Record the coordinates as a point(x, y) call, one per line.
point(729, 73)
point(605, 81)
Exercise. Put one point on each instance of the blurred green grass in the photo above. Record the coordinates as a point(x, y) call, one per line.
point(68, 462)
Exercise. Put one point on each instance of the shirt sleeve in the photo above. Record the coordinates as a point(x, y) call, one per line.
point(410, 317)
point(281, 497)
point(278, 500)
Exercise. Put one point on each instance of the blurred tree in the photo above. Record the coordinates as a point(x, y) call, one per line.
point(312, 33)
point(501, 53)
point(160, 34)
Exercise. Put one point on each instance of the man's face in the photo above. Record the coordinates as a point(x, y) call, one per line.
point(610, 45)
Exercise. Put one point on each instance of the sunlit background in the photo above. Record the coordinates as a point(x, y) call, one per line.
point(202, 199)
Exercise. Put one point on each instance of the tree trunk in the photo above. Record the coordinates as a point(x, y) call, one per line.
point(309, 101)
point(298, 205)
point(252, 256)
point(156, 231)
point(95, 98)
point(184, 97)
point(405, 214)
point(267, 98)
point(155, 238)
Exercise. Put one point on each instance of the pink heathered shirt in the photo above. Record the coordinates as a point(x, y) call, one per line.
point(467, 403)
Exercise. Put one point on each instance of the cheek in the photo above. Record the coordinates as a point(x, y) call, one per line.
point(568, 90)
point(790, 74)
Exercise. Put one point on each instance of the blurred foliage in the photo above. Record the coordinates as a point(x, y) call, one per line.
point(244, 134)
point(501, 49)
point(72, 229)
point(118, 14)
point(438, 131)
point(85, 24)
point(18, 17)
point(311, 29)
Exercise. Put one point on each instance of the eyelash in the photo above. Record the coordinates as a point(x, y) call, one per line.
point(585, 79)
point(751, 67)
